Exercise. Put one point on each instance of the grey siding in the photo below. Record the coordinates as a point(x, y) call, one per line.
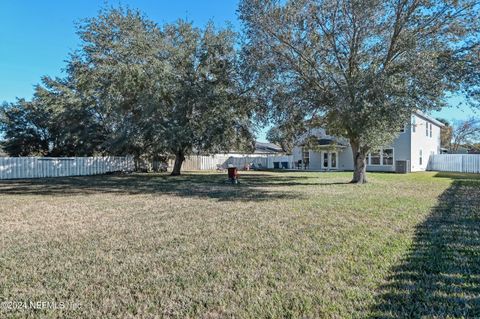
point(315, 160)
point(345, 159)
point(405, 147)
point(401, 151)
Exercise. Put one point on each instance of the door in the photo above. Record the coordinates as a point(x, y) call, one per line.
point(329, 160)
point(325, 161)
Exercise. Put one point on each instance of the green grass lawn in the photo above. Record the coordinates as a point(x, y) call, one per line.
point(279, 245)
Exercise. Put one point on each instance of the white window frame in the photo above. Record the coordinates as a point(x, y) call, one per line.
point(369, 159)
point(336, 159)
point(329, 160)
point(305, 151)
point(414, 124)
point(431, 129)
point(393, 156)
point(420, 158)
point(323, 160)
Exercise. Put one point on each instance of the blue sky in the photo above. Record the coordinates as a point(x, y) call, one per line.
point(36, 36)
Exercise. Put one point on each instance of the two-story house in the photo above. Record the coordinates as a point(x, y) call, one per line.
point(412, 148)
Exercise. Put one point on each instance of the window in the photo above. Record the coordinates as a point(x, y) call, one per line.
point(375, 158)
point(325, 159)
point(430, 129)
point(414, 124)
point(387, 156)
point(306, 156)
point(334, 159)
point(420, 158)
point(402, 129)
point(426, 129)
point(381, 157)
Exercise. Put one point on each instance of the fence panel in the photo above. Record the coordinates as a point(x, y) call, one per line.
point(465, 163)
point(198, 163)
point(38, 167)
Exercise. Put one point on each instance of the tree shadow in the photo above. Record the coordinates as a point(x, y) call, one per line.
point(458, 176)
point(253, 187)
point(440, 276)
point(288, 179)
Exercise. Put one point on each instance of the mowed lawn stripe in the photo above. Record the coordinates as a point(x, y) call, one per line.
point(292, 244)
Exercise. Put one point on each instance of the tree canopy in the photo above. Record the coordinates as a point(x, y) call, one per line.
point(54, 123)
point(465, 133)
point(360, 68)
point(135, 87)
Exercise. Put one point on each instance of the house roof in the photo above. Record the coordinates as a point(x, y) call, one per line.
point(429, 118)
point(323, 140)
point(267, 148)
point(329, 141)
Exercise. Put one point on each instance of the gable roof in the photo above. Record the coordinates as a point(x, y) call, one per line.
point(429, 118)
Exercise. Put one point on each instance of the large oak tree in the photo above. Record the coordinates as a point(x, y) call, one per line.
point(360, 67)
point(171, 90)
point(135, 87)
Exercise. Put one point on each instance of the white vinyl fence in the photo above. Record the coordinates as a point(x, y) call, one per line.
point(195, 163)
point(465, 163)
point(38, 167)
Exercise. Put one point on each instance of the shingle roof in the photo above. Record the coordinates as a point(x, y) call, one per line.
point(329, 141)
point(261, 147)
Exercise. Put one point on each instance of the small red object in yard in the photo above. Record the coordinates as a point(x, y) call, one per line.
point(233, 174)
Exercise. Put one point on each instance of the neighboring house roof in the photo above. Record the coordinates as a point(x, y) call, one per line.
point(429, 118)
point(267, 148)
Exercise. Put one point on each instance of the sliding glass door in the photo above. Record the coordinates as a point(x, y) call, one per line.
point(329, 160)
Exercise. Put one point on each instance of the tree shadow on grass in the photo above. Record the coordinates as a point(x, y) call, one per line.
point(253, 187)
point(458, 176)
point(440, 276)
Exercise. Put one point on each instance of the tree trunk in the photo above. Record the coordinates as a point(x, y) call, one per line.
point(359, 164)
point(179, 158)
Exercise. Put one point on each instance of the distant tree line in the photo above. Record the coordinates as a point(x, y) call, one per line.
point(461, 135)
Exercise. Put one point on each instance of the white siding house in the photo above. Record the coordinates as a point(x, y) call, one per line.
point(416, 142)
